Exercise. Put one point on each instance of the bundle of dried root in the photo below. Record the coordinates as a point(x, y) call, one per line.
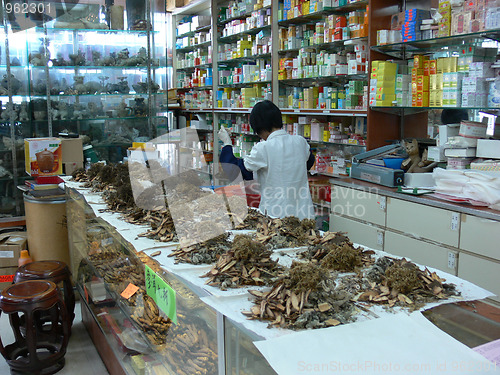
point(247, 263)
point(404, 284)
point(287, 232)
point(206, 252)
point(289, 300)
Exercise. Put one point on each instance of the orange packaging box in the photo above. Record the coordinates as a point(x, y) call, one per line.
point(432, 67)
point(413, 100)
point(418, 61)
point(416, 72)
point(43, 156)
point(422, 83)
point(427, 65)
point(422, 99)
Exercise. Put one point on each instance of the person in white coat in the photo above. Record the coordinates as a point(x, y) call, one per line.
point(280, 162)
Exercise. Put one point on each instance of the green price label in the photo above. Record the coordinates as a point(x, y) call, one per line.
point(161, 293)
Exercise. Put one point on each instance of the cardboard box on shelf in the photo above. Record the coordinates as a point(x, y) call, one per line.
point(7, 276)
point(72, 150)
point(172, 4)
point(11, 244)
point(43, 156)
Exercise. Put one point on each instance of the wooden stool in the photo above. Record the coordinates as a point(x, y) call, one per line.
point(35, 353)
point(52, 270)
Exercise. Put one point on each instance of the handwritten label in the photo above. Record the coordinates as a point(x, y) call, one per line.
point(129, 291)
point(6, 278)
point(161, 293)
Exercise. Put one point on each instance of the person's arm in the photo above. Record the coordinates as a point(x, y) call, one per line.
point(310, 161)
point(233, 165)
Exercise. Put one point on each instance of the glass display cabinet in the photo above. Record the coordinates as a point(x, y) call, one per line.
point(135, 331)
point(88, 69)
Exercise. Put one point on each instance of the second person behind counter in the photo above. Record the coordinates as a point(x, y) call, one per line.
point(280, 163)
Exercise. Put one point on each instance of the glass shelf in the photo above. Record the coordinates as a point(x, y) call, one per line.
point(103, 31)
point(195, 88)
point(246, 58)
point(431, 45)
point(100, 119)
point(243, 84)
point(193, 47)
point(246, 134)
point(189, 68)
point(308, 81)
point(412, 110)
point(234, 110)
point(334, 143)
point(88, 95)
point(235, 37)
point(325, 112)
point(335, 43)
point(311, 17)
point(192, 33)
point(97, 67)
point(241, 16)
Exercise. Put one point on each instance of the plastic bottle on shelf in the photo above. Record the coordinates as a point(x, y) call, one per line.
point(88, 163)
point(24, 258)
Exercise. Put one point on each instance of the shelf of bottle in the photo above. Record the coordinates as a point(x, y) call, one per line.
point(329, 10)
point(197, 88)
point(192, 68)
point(192, 33)
point(241, 16)
point(326, 112)
point(430, 45)
point(197, 110)
point(244, 84)
point(333, 44)
point(233, 110)
point(235, 37)
point(193, 47)
point(311, 80)
point(412, 110)
point(245, 58)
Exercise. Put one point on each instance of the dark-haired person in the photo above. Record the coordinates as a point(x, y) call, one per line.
point(280, 162)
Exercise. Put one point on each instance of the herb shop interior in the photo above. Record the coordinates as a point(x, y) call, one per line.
point(110, 179)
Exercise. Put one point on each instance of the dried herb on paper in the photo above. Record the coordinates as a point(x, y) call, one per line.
point(247, 263)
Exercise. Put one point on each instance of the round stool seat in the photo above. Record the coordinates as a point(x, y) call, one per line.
point(17, 296)
point(52, 270)
point(35, 352)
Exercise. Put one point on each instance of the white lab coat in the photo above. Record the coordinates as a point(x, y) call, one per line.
point(280, 165)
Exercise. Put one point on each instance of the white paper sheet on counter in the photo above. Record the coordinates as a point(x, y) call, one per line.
point(232, 302)
point(397, 344)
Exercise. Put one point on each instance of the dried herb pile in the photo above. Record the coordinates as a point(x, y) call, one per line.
point(404, 284)
point(205, 252)
point(247, 263)
point(287, 232)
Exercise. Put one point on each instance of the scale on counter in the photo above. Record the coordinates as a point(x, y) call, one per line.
point(377, 174)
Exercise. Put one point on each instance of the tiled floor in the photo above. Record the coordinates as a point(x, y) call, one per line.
point(81, 355)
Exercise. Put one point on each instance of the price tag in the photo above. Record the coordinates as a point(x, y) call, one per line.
point(161, 293)
point(129, 291)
